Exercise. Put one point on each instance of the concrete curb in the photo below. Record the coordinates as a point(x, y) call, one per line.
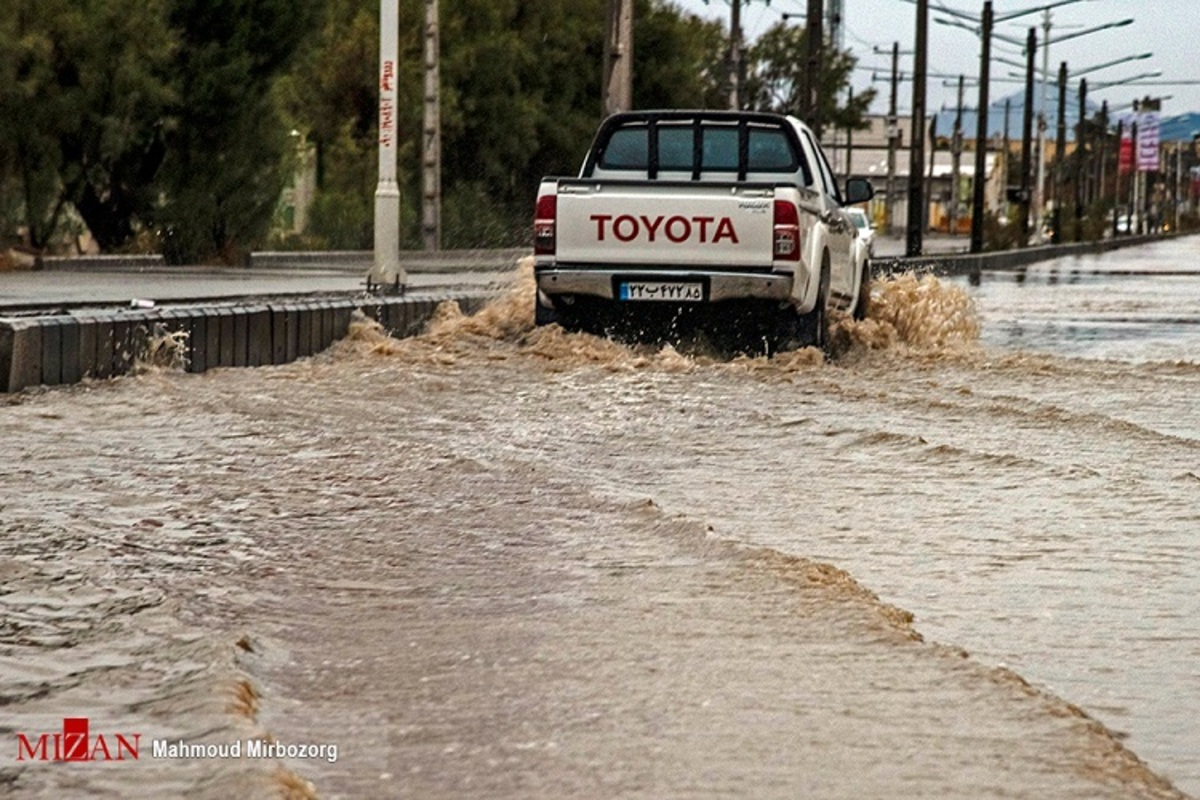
point(414, 261)
point(1004, 261)
point(65, 349)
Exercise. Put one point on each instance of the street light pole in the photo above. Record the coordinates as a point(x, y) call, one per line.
point(386, 270)
point(916, 163)
point(1027, 134)
point(814, 32)
point(981, 131)
point(893, 135)
point(1040, 201)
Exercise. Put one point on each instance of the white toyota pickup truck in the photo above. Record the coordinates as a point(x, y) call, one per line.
point(733, 219)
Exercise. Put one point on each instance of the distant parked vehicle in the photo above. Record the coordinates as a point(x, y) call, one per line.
point(866, 231)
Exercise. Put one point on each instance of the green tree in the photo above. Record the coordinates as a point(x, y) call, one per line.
point(520, 99)
point(228, 145)
point(679, 59)
point(83, 89)
point(777, 65)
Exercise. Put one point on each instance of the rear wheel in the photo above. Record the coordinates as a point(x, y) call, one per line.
point(816, 322)
point(544, 315)
point(807, 330)
point(863, 303)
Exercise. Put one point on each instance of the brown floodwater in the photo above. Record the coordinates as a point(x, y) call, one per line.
point(498, 562)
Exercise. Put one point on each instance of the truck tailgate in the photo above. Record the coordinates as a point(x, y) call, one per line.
point(668, 223)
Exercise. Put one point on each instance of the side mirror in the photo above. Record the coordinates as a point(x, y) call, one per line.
point(858, 190)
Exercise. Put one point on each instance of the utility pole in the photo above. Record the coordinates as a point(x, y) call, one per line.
point(849, 135)
point(981, 132)
point(386, 270)
point(735, 55)
point(1027, 135)
point(1178, 183)
point(1040, 197)
point(431, 158)
point(956, 148)
point(1060, 150)
point(933, 138)
point(834, 18)
point(816, 39)
point(1007, 151)
point(618, 58)
point(893, 137)
point(1118, 200)
point(1135, 208)
point(916, 163)
point(1102, 157)
point(1080, 159)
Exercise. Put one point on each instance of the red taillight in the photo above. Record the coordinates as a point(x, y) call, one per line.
point(787, 231)
point(543, 225)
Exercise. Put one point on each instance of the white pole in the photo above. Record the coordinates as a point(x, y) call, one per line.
point(387, 271)
point(1040, 197)
point(1178, 181)
point(431, 161)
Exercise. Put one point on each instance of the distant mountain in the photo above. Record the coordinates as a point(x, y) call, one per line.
point(1182, 127)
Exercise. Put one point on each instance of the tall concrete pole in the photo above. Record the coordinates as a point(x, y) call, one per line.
point(1118, 199)
point(956, 148)
point(849, 136)
point(981, 132)
point(816, 39)
point(735, 56)
point(1080, 160)
point(1040, 199)
point(1060, 151)
point(1027, 136)
point(431, 159)
point(618, 57)
point(386, 270)
point(893, 134)
point(916, 162)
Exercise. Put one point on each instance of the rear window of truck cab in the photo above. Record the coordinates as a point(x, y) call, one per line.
point(709, 147)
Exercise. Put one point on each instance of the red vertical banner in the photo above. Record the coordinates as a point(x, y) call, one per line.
point(1125, 159)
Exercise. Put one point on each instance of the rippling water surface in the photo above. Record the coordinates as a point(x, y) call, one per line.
point(440, 552)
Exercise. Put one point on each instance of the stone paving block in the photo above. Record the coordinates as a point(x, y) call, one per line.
point(343, 312)
point(51, 355)
point(225, 326)
point(104, 346)
point(87, 346)
point(399, 314)
point(198, 341)
point(72, 362)
point(241, 337)
point(258, 336)
point(304, 330)
point(212, 317)
point(325, 316)
point(278, 317)
point(20, 354)
point(122, 345)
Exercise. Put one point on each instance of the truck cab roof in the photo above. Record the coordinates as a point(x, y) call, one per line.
point(701, 145)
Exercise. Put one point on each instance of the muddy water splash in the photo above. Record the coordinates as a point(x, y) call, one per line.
point(972, 475)
point(499, 561)
point(915, 313)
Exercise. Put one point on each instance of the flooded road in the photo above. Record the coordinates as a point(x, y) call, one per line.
point(496, 562)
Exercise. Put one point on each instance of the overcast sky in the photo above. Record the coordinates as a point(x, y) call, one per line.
point(1170, 29)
